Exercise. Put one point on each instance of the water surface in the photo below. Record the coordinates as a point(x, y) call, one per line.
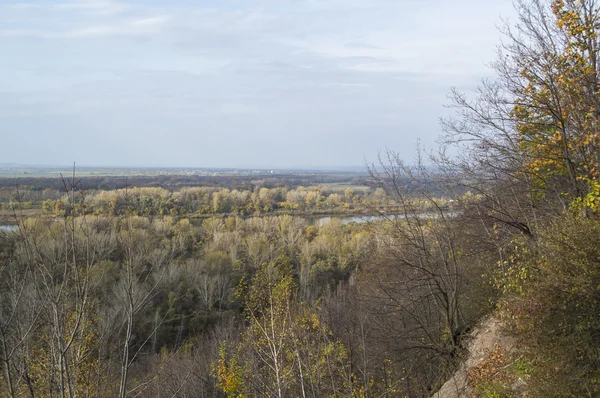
point(8, 227)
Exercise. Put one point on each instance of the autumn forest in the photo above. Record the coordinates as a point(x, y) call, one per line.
point(338, 284)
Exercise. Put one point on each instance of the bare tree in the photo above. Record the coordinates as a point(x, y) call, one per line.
point(143, 269)
point(413, 288)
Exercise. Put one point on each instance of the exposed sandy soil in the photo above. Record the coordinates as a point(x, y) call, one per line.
point(485, 338)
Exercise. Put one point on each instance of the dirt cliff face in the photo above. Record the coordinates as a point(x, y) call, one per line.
point(490, 347)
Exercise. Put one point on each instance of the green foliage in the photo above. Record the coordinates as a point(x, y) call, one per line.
point(591, 200)
point(555, 306)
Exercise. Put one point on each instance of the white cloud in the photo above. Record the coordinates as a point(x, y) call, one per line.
point(349, 85)
point(99, 7)
point(146, 26)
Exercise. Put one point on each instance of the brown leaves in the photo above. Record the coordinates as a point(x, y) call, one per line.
point(491, 372)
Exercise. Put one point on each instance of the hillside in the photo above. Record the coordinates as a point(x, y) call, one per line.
point(487, 339)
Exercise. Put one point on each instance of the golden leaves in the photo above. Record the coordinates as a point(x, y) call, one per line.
point(557, 113)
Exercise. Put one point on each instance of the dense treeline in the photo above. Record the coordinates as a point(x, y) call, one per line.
point(172, 182)
point(204, 201)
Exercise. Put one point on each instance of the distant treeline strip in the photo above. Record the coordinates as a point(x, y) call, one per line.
point(179, 181)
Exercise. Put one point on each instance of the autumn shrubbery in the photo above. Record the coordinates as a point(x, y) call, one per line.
point(552, 299)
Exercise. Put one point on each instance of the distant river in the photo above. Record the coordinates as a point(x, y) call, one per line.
point(316, 221)
point(8, 227)
point(321, 221)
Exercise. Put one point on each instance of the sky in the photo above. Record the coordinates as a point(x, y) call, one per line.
point(234, 83)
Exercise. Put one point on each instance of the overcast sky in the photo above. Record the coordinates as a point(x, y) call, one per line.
point(234, 83)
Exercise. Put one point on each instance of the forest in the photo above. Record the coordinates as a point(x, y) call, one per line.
point(239, 180)
point(203, 202)
point(146, 288)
